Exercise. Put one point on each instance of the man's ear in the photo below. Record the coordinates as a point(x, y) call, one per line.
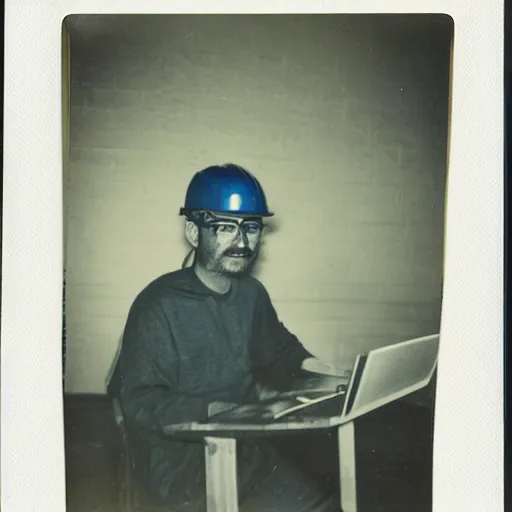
point(192, 233)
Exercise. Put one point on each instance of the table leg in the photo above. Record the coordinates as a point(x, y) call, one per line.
point(221, 475)
point(347, 461)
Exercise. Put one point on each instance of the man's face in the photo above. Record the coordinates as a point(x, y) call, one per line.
point(229, 245)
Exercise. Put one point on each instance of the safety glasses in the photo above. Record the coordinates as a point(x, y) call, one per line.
point(232, 228)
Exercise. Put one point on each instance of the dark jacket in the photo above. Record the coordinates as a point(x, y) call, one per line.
point(185, 346)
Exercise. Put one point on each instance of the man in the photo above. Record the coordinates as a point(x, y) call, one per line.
point(205, 335)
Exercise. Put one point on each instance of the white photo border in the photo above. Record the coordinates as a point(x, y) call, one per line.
point(469, 419)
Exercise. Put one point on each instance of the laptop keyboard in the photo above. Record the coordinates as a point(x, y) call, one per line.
point(253, 414)
point(325, 409)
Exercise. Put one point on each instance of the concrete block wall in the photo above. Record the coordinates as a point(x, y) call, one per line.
point(344, 121)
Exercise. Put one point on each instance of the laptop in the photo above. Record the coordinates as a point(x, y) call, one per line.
point(378, 377)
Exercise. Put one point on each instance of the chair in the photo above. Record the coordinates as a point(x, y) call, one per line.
point(127, 477)
point(126, 470)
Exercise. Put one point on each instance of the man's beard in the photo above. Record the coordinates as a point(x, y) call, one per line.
point(231, 263)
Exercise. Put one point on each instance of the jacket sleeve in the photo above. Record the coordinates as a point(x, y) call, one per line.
point(149, 370)
point(276, 353)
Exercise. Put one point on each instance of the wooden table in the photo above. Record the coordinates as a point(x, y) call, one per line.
point(221, 464)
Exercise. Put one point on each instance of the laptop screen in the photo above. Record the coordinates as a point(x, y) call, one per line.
point(392, 372)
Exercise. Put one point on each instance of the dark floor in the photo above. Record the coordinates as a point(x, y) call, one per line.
point(393, 446)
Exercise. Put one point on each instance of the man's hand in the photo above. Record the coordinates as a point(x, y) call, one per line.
point(314, 365)
point(265, 393)
point(218, 407)
point(323, 376)
point(241, 411)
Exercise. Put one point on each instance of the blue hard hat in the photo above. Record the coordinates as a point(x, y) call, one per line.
point(226, 189)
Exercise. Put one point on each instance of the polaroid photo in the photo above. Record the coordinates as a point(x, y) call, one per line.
point(252, 257)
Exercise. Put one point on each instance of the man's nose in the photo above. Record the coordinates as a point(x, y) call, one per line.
point(241, 238)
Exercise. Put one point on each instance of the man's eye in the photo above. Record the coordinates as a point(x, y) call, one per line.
point(252, 229)
point(225, 228)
